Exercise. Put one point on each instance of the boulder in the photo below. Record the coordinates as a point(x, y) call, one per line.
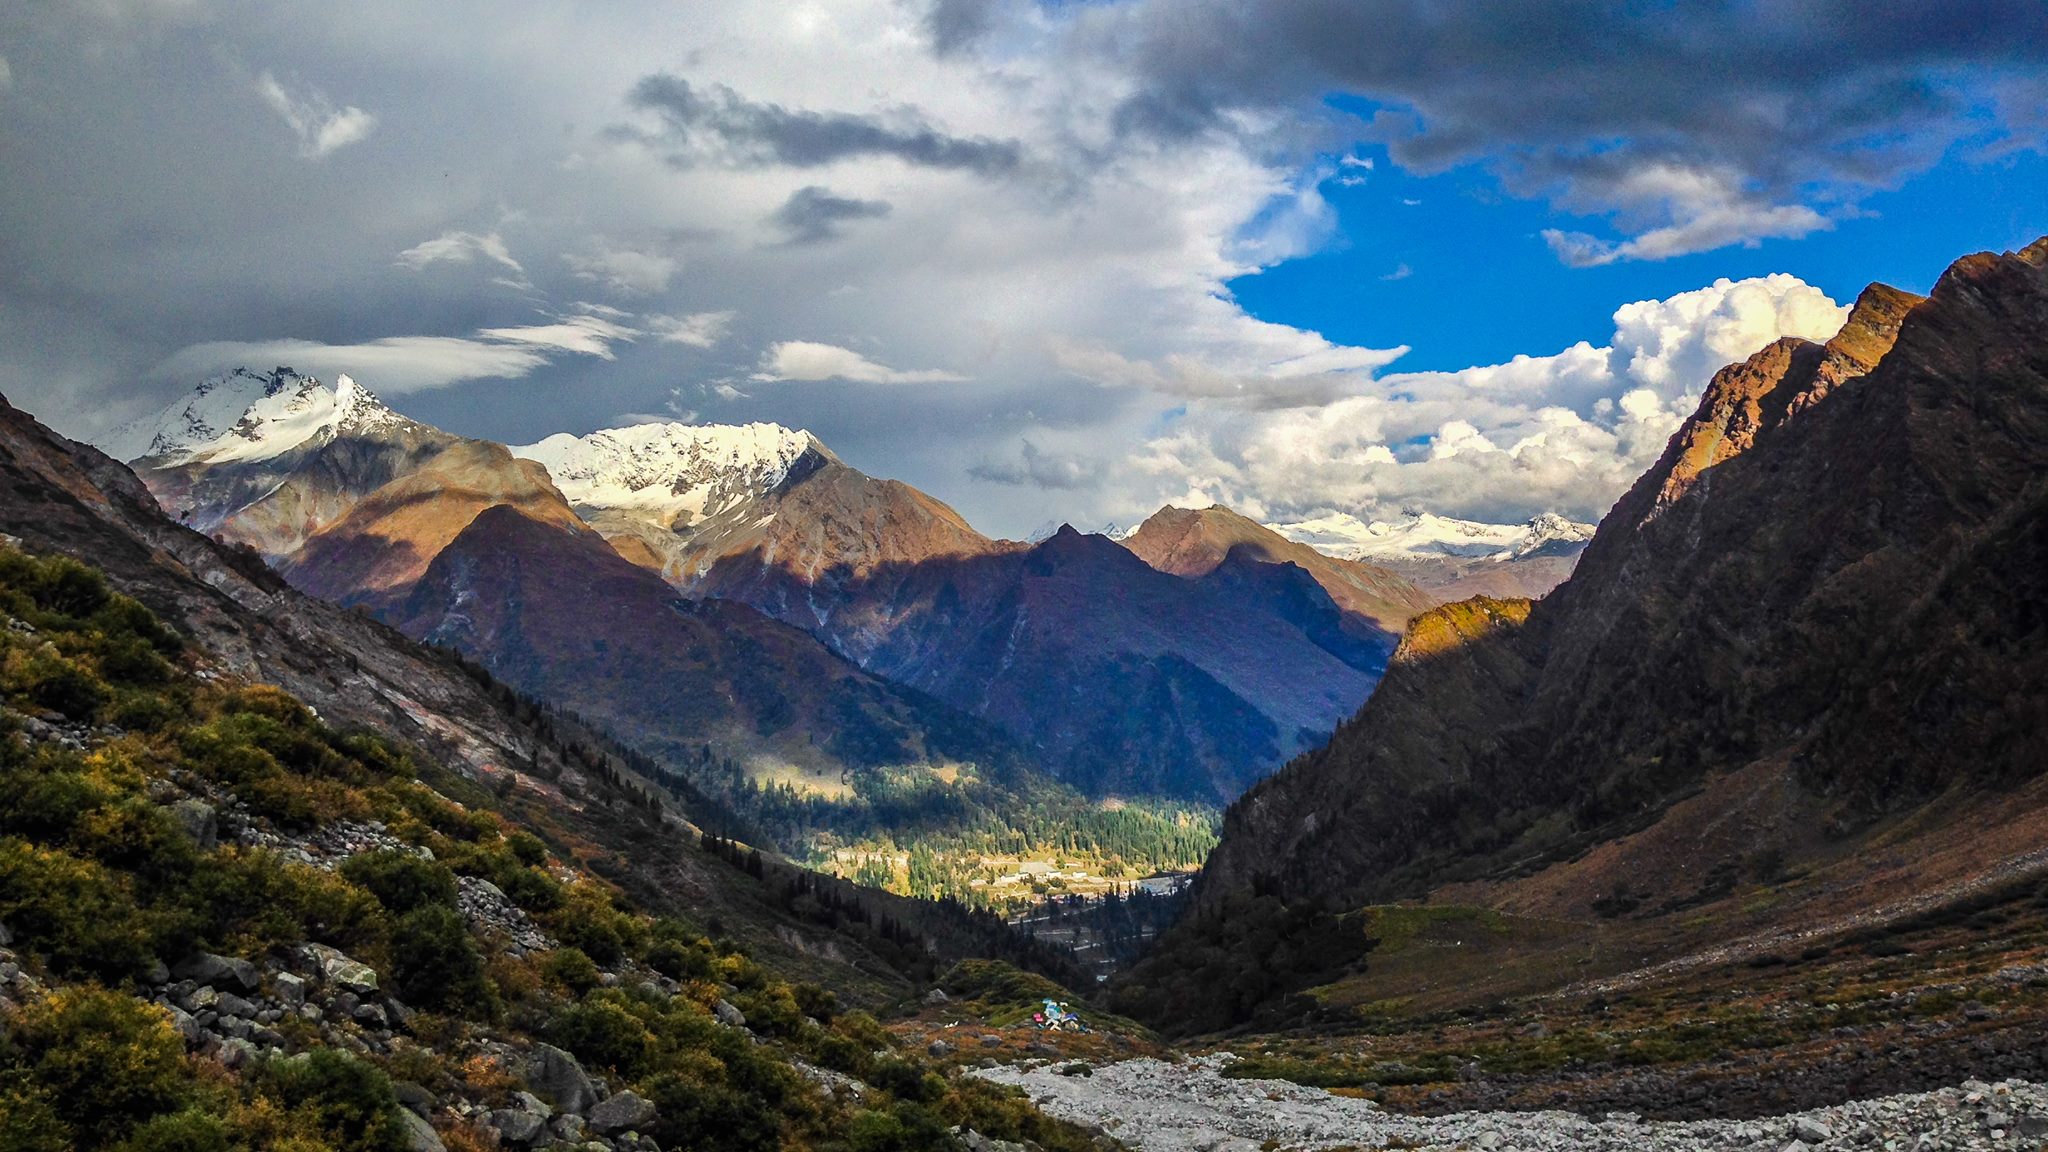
point(419, 1135)
point(936, 996)
point(557, 1076)
point(939, 1048)
point(415, 1097)
point(515, 1125)
point(199, 821)
point(531, 1103)
point(1807, 1130)
point(729, 1015)
point(290, 989)
point(218, 971)
point(622, 1112)
point(337, 969)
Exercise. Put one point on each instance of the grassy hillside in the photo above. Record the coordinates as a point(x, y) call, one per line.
point(231, 925)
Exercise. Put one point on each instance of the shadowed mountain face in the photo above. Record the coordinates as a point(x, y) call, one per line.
point(1829, 588)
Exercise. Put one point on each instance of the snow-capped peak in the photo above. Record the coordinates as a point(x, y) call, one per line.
point(1051, 528)
point(670, 472)
point(248, 416)
point(1422, 536)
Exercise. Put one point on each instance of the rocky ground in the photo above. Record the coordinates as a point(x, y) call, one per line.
point(1156, 1106)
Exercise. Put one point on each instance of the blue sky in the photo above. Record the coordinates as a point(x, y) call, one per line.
point(1482, 286)
point(1044, 261)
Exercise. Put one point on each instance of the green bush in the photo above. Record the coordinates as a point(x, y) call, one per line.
point(107, 1061)
point(570, 968)
point(80, 917)
point(435, 963)
point(187, 1131)
point(710, 1117)
point(603, 1034)
point(401, 880)
point(348, 1102)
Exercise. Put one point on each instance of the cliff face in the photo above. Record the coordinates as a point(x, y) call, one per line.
point(1832, 578)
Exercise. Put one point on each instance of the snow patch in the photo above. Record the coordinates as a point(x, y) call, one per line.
point(1424, 536)
point(248, 416)
point(670, 472)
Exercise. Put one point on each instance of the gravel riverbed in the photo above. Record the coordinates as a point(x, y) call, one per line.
point(1157, 1106)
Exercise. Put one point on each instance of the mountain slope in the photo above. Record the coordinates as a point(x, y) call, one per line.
point(1827, 591)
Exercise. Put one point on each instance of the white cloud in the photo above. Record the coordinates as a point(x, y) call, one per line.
point(624, 270)
point(585, 335)
point(805, 360)
point(319, 125)
point(1566, 432)
point(395, 364)
point(464, 248)
point(1700, 209)
point(698, 329)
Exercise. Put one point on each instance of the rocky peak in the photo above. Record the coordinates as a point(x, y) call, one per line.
point(244, 416)
point(677, 474)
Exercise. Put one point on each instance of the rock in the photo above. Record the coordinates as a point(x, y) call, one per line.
point(415, 1098)
point(187, 1026)
point(936, 996)
point(568, 1127)
point(219, 971)
point(623, 1111)
point(1810, 1131)
point(199, 821)
point(728, 1015)
point(975, 1142)
point(939, 1048)
point(236, 1052)
point(337, 969)
point(527, 1101)
point(556, 1075)
point(991, 1041)
point(289, 988)
point(370, 1015)
point(2031, 1126)
point(515, 1125)
point(419, 1135)
point(159, 974)
point(233, 1005)
point(199, 1000)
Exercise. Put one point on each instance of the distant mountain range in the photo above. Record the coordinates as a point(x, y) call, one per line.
point(694, 589)
point(1797, 687)
point(1454, 559)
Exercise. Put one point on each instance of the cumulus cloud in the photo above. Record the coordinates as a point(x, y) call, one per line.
point(1566, 432)
point(319, 125)
point(624, 270)
point(1314, 372)
point(813, 215)
point(697, 330)
point(717, 123)
point(805, 360)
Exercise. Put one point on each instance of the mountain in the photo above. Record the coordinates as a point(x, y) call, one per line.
point(1807, 644)
point(1047, 640)
point(268, 460)
point(1375, 600)
point(1454, 559)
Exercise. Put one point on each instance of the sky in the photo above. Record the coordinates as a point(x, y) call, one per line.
point(1047, 261)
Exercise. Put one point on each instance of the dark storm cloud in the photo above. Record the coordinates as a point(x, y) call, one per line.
point(956, 25)
point(1776, 93)
point(718, 120)
point(812, 215)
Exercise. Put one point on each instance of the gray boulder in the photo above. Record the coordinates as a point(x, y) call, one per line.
point(419, 1135)
point(515, 1125)
point(338, 969)
point(622, 1112)
point(729, 1015)
point(218, 971)
point(199, 821)
point(556, 1075)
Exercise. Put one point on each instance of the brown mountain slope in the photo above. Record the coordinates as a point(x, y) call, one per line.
point(1828, 590)
point(550, 607)
point(374, 552)
point(1189, 542)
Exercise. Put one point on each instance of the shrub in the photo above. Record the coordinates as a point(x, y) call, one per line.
point(107, 1061)
point(348, 1102)
point(708, 1116)
point(76, 913)
point(402, 881)
point(28, 1123)
point(570, 968)
point(603, 1034)
point(437, 965)
point(187, 1131)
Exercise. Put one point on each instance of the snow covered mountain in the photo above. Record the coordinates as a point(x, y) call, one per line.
point(268, 459)
point(248, 416)
point(673, 474)
point(1453, 558)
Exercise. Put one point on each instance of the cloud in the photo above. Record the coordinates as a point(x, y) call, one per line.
point(1401, 272)
point(1313, 372)
point(698, 329)
point(319, 125)
point(1566, 432)
point(395, 364)
point(812, 215)
point(464, 248)
point(1577, 102)
point(1035, 468)
point(624, 270)
point(1701, 210)
point(957, 25)
point(719, 124)
point(585, 335)
point(804, 360)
